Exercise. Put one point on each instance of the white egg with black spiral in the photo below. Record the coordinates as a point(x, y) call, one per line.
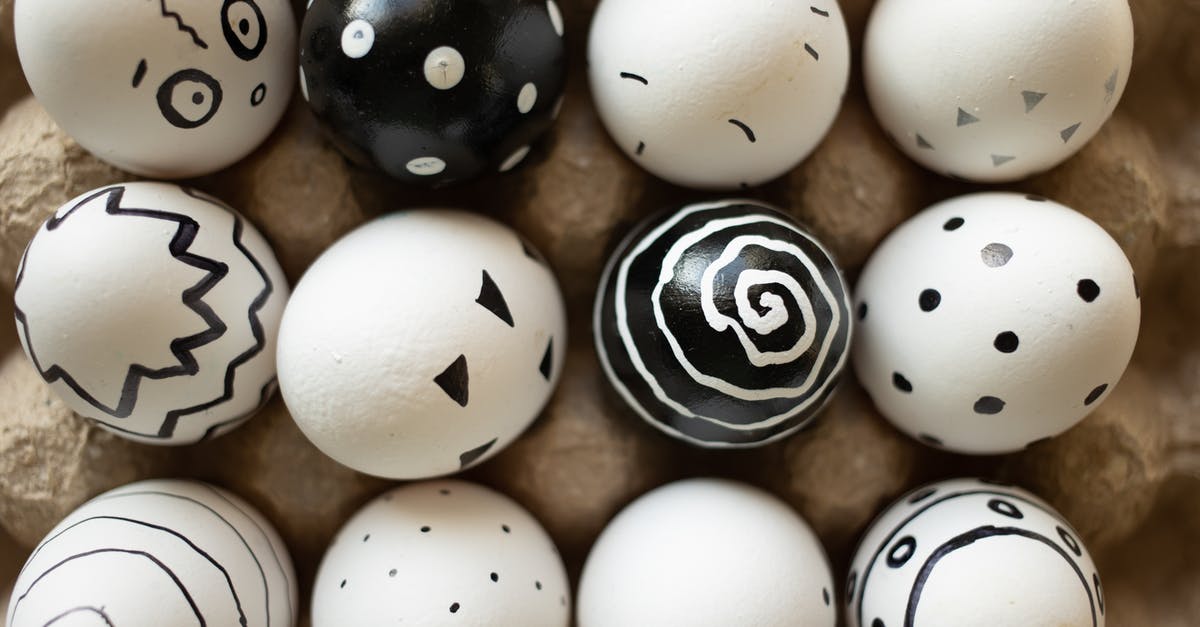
point(162, 553)
point(723, 324)
point(973, 553)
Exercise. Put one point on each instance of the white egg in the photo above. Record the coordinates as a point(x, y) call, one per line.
point(441, 553)
point(706, 552)
point(153, 310)
point(996, 91)
point(971, 553)
point(994, 320)
point(421, 344)
point(158, 554)
point(161, 88)
point(715, 94)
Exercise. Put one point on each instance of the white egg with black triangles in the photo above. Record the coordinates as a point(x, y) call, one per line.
point(422, 343)
point(152, 310)
point(442, 553)
point(970, 553)
point(991, 321)
point(161, 553)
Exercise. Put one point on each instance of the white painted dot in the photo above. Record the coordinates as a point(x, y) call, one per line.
point(309, 6)
point(426, 166)
point(303, 85)
point(444, 67)
point(514, 159)
point(558, 107)
point(555, 16)
point(357, 39)
point(527, 98)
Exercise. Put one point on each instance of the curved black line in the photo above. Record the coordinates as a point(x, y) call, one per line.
point(163, 567)
point(253, 555)
point(235, 43)
point(97, 611)
point(139, 74)
point(866, 574)
point(745, 129)
point(634, 77)
point(237, 602)
point(162, 4)
point(971, 537)
point(192, 297)
point(275, 556)
point(264, 397)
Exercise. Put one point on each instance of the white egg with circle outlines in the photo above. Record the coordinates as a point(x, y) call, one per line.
point(996, 91)
point(422, 343)
point(715, 94)
point(706, 553)
point(441, 553)
point(161, 553)
point(991, 321)
point(161, 88)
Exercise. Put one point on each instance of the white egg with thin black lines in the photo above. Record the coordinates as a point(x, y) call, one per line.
point(723, 324)
point(971, 553)
point(715, 94)
point(161, 553)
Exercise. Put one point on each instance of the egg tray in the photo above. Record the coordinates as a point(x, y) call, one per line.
point(1127, 477)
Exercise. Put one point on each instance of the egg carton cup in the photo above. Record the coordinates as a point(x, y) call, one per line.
point(1128, 477)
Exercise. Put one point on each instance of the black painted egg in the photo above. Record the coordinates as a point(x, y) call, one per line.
point(723, 324)
point(434, 91)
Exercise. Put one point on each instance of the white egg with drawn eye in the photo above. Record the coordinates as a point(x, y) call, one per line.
point(161, 88)
point(714, 94)
point(996, 91)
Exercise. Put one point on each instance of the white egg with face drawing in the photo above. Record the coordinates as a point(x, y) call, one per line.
point(161, 88)
point(715, 94)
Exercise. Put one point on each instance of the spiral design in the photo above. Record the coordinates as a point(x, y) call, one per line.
point(723, 324)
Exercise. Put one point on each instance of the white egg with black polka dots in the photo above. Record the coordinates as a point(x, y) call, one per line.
point(996, 91)
point(995, 320)
point(441, 553)
point(972, 553)
point(714, 94)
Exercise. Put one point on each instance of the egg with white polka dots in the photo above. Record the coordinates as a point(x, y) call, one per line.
point(992, 321)
point(707, 553)
point(442, 553)
point(996, 91)
point(434, 92)
point(718, 94)
point(973, 553)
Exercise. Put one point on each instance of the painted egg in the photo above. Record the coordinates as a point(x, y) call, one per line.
point(442, 553)
point(972, 553)
point(996, 91)
point(715, 94)
point(152, 309)
point(422, 344)
point(723, 324)
point(161, 88)
point(994, 320)
point(434, 91)
point(706, 552)
point(158, 553)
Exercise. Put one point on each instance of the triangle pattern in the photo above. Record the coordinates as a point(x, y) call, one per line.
point(547, 365)
point(1110, 86)
point(923, 143)
point(965, 118)
point(999, 160)
point(492, 299)
point(1032, 99)
point(455, 381)
point(1069, 132)
point(473, 455)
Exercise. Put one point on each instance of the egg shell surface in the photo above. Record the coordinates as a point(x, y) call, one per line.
point(713, 94)
point(994, 320)
point(707, 553)
point(996, 91)
point(422, 343)
point(161, 553)
point(723, 324)
point(442, 553)
point(161, 88)
point(969, 553)
point(153, 310)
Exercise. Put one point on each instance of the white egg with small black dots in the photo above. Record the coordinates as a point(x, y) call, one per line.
point(992, 321)
point(996, 91)
point(442, 553)
point(715, 94)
